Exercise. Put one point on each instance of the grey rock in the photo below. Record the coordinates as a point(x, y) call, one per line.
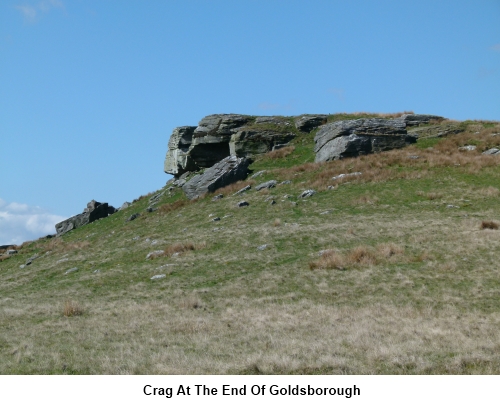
point(247, 143)
point(218, 197)
point(154, 253)
point(285, 182)
point(229, 170)
point(151, 209)
point(177, 160)
point(216, 219)
point(467, 148)
point(158, 276)
point(307, 193)
point(306, 123)
point(452, 206)
point(492, 151)
point(31, 259)
point(72, 270)
point(11, 252)
point(258, 174)
point(352, 138)
point(242, 204)
point(241, 191)
point(125, 205)
point(436, 131)
point(272, 119)
point(267, 184)
point(413, 157)
point(94, 211)
point(64, 259)
point(280, 146)
point(262, 247)
point(341, 176)
point(325, 212)
point(132, 217)
point(418, 119)
point(272, 202)
point(155, 198)
point(22, 266)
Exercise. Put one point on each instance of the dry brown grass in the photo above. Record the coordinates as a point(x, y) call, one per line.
point(166, 208)
point(233, 188)
point(489, 192)
point(72, 308)
point(60, 246)
point(489, 225)
point(191, 302)
point(280, 153)
point(359, 256)
point(277, 222)
point(178, 248)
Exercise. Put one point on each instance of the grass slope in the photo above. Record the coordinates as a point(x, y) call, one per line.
point(408, 281)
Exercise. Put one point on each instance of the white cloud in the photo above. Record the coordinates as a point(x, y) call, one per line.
point(339, 93)
point(31, 12)
point(21, 222)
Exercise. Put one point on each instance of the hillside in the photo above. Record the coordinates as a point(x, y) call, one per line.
point(390, 270)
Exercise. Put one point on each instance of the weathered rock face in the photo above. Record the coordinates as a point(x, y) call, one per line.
point(178, 160)
point(307, 123)
point(418, 119)
point(249, 143)
point(220, 135)
point(223, 173)
point(94, 211)
point(350, 138)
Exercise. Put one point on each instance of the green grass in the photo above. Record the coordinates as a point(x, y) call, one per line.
point(227, 307)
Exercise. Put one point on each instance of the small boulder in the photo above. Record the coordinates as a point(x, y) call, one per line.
point(307, 193)
point(218, 197)
point(242, 204)
point(158, 276)
point(246, 188)
point(467, 148)
point(267, 184)
point(306, 123)
point(132, 217)
point(341, 176)
point(492, 151)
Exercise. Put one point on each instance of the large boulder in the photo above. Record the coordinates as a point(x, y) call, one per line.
point(223, 173)
point(351, 138)
point(94, 211)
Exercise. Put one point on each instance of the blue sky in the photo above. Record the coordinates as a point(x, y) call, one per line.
point(91, 90)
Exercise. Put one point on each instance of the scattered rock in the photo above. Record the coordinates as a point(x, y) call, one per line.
point(11, 252)
point(341, 176)
point(65, 259)
point(247, 143)
point(218, 197)
point(94, 211)
point(272, 202)
point(258, 174)
point(413, 157)
point(267, 184)
point(215, 219)
point(96, 271)
point(262, 247)
point(492, 151)
point(125, 205)
point(72, 270)
point(158, 276)
point(241, 191)
point(22, 266)
point(242, 204)
point(151, 209)
point(285, 182)
point(155, 253)
point(419, 119)
point(227, 216)
point(325, 212)
point(132, 217)
point(268, 198)
point(467, 148)
point(452, 206)
point(227, 171)
point(307, 193)
point(31, 259)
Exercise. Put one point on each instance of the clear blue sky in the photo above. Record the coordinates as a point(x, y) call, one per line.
point(91, 90)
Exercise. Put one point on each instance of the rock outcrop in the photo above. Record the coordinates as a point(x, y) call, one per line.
point(221, 135)
point(351, 138)
point(94, 211)
point(223, 173)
